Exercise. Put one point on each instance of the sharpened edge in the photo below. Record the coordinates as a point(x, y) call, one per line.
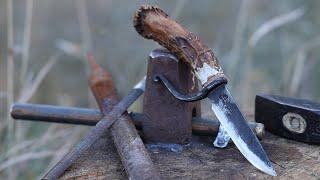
point(243, 148)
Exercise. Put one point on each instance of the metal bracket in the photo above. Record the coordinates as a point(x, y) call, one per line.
point(194, 96)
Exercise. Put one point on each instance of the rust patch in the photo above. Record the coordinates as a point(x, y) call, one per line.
point(167, 119)
point(101, 84)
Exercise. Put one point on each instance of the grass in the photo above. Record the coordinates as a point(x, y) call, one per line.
point(263, 47)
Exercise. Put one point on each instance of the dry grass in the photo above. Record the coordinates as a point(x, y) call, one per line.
point(26, 41)
point(275, 23)
point(20, 150)
point(10, 70)
point(242, 22)
point(299, 64)
point(54, 36)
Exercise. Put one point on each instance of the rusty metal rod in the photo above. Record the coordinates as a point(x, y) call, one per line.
point(85, 116)
point(130, 147)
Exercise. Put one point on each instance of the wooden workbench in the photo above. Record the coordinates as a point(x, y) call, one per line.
point(200, 160)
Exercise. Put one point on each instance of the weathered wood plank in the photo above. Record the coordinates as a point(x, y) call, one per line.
point(200, 160)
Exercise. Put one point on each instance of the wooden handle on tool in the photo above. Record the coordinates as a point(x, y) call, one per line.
point(153, 23)
point(101, 85)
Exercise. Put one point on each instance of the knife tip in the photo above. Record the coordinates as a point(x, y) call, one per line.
point(271, 171)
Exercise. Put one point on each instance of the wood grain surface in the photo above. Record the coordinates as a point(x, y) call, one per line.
point(200, 160)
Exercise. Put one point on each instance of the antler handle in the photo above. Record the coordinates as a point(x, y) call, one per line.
point(153, 23)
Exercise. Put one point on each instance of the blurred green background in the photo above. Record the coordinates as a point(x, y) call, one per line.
point(264, 46)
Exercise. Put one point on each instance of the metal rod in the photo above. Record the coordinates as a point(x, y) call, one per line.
point(85, 116)
point(194, 96)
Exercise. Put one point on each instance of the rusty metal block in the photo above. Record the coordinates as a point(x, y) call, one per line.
point(167, 119)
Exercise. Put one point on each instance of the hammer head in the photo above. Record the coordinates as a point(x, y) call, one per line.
point(291, 118)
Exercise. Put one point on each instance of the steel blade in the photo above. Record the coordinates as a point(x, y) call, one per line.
point(232, 120)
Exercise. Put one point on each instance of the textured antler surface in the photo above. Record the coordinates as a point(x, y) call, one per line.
point(153, 23)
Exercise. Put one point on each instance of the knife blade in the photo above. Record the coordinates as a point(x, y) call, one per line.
point(232, 120)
